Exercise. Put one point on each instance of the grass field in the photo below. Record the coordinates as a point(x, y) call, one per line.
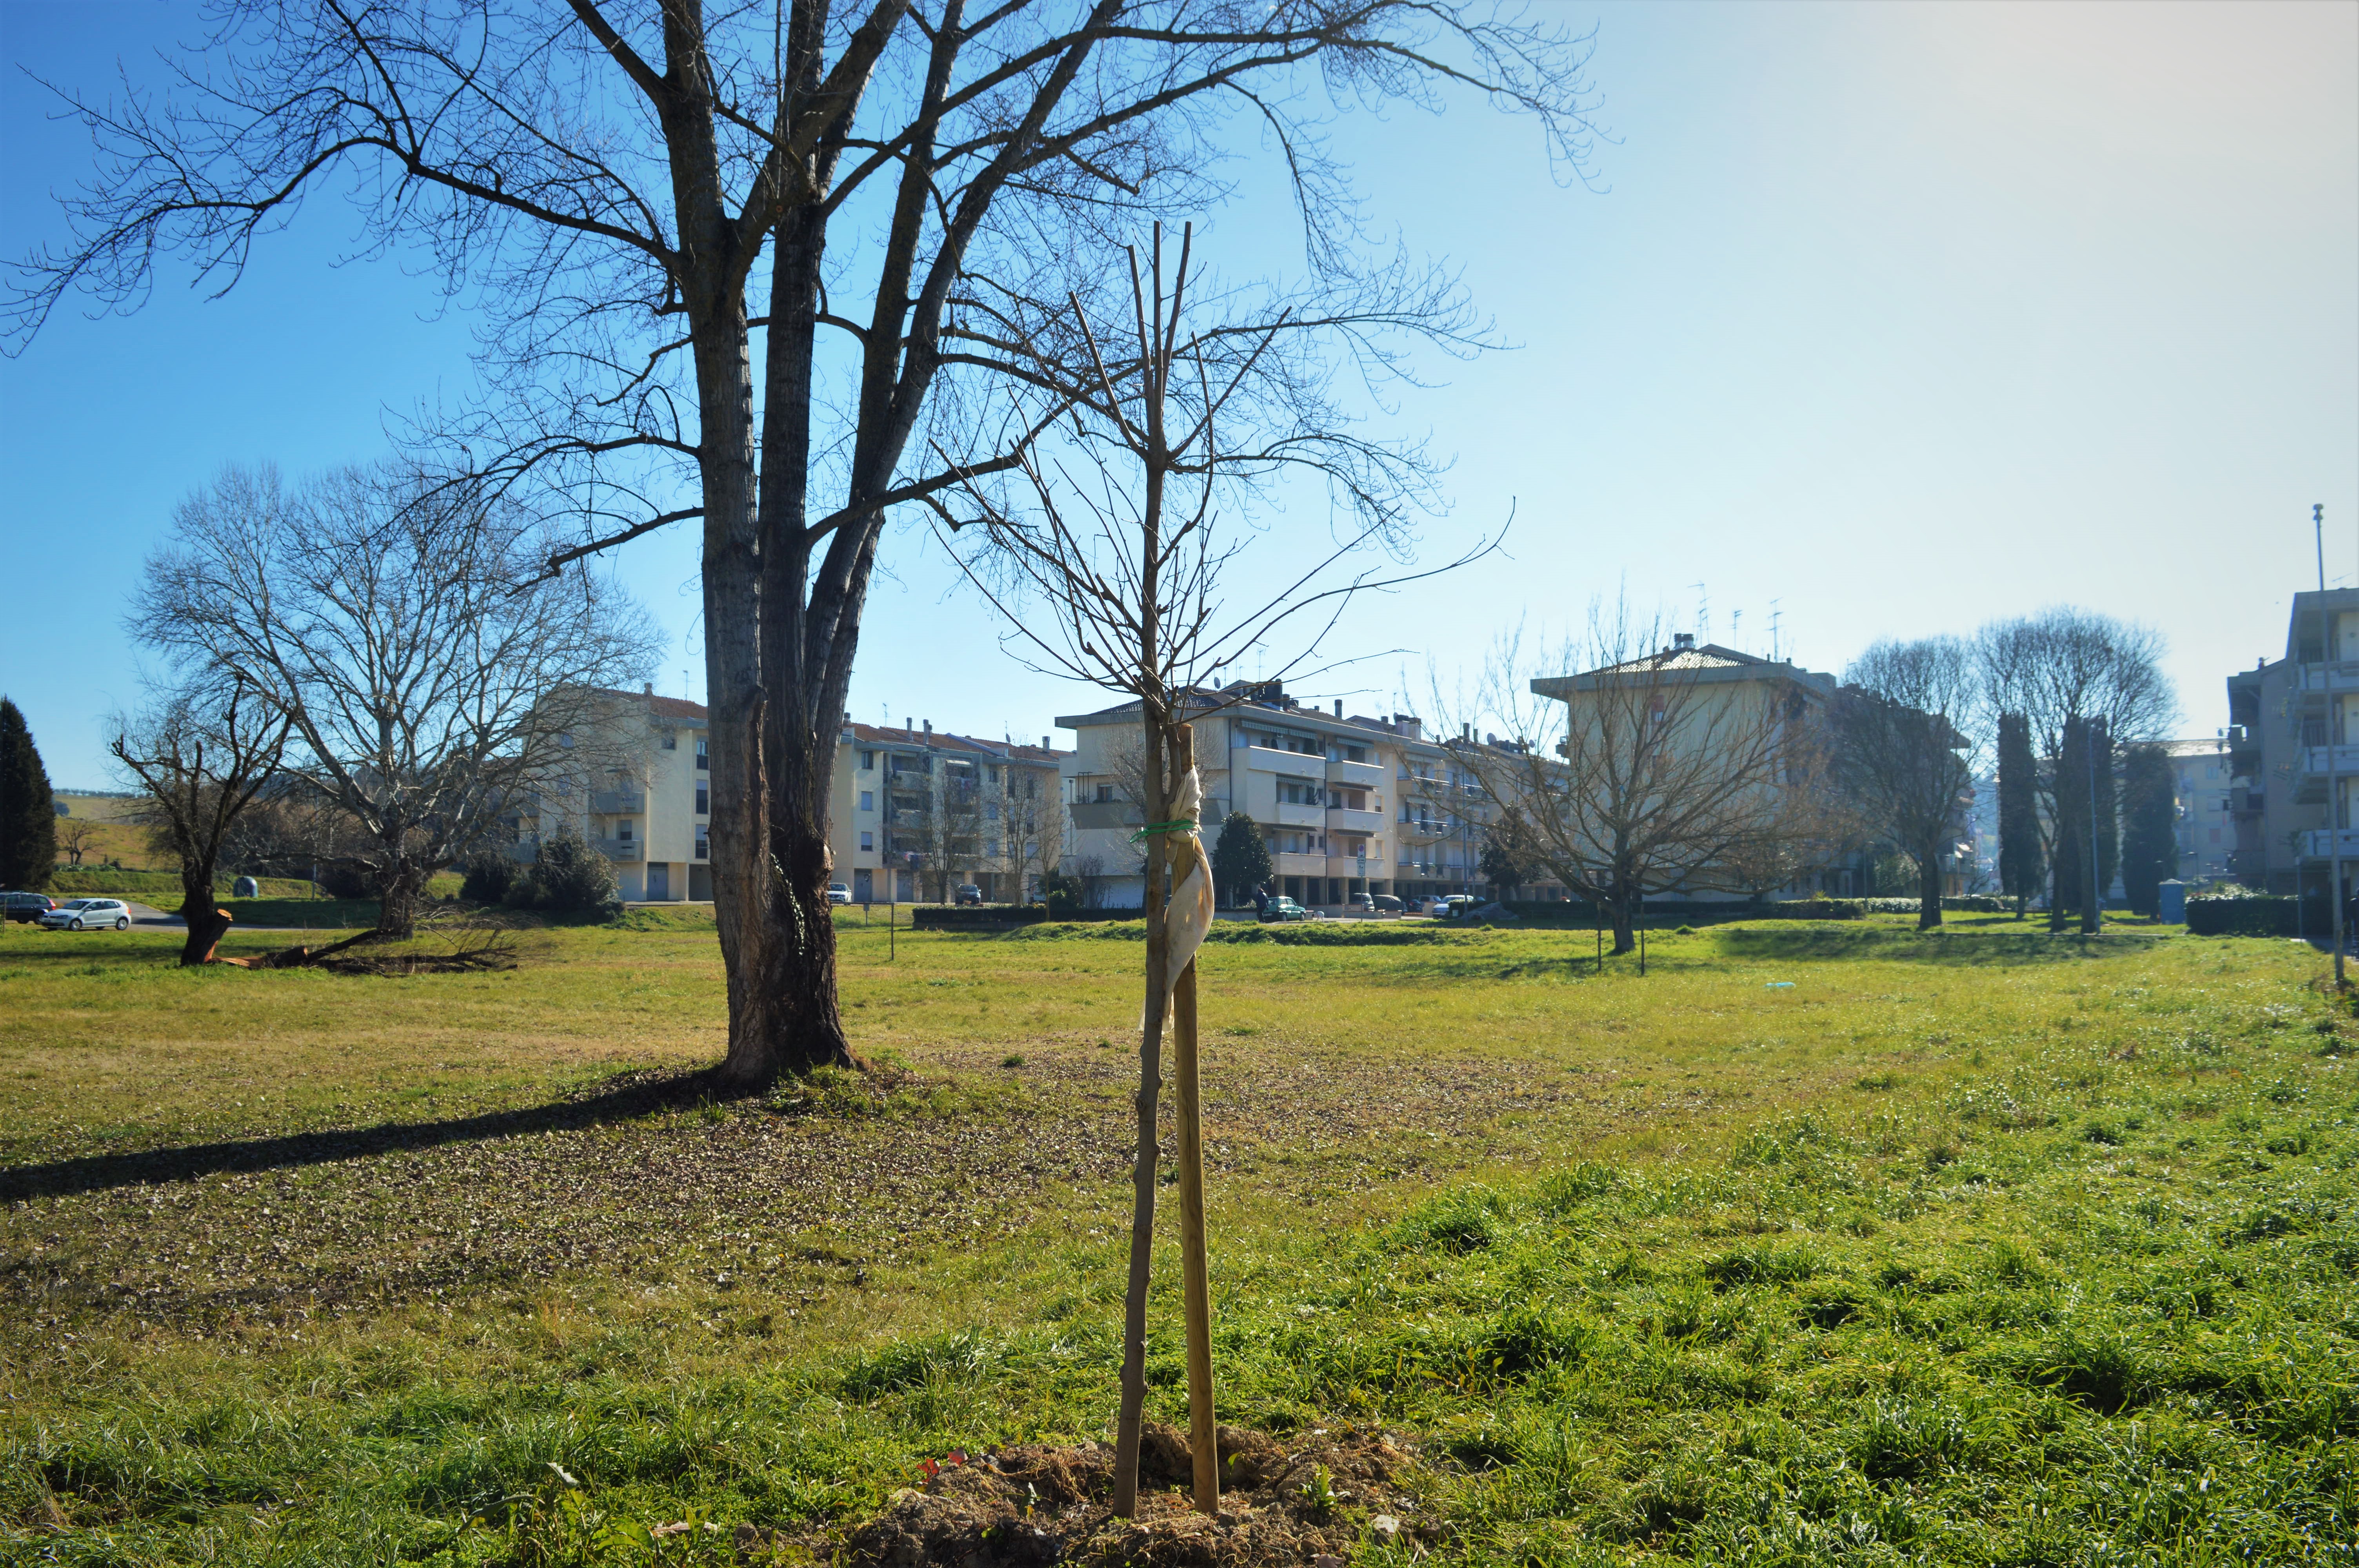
point(1975, 1248)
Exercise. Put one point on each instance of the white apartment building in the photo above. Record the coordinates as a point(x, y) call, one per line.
point(645, 801)
point(1345, 805)
point(914, 811)
point(2202, 777)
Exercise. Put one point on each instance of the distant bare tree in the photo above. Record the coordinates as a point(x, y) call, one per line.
point(432, 673)
point(1646, 771)
point(1033, 838)
point(74, 836)
point(201, 754)
point(2060, 670)
point(1904, 758)
point(952, 824)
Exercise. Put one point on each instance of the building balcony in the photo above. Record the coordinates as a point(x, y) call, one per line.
point(2327, 843)
point(1107, 814)
point(1355, 776)
point(618, 802)
point(1344, 819)
point(2326, 677)
point(2324, 760)
point(1425, 831)
point(1270, 760)
point(1299, 865)
point(619, 850)
point(1290, 815)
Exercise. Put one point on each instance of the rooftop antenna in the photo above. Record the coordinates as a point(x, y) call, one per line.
point(1775, 615)
point(1704, 612)
point(1736, 629)
point(2318, 529)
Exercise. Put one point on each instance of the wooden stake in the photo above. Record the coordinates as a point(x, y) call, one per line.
point(1196, 1288)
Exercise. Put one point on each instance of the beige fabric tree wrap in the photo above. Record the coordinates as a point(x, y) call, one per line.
point(1188, 913)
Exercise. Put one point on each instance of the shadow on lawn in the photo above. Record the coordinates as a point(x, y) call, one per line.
point(1966, 948)
point(623, 1099)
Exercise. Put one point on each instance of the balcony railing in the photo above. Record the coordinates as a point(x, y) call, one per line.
point(1358, 776)
point(1344, 819)
point(618, 802)
point(619, 850)
point(1291, 814)
point(2319, 844)
point(2324, 760)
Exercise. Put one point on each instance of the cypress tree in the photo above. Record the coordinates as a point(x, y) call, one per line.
point(2019, 867)
point(2068, 863)
point(1240, 859)
point(2149, 825)
point(28, 817)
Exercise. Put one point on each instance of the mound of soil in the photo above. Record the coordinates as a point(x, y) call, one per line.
point(1029, 1507)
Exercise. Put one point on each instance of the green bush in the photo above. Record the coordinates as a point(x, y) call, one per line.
point(489, 876)
point(2256, 915)
point(568, 877)
point(969, 917)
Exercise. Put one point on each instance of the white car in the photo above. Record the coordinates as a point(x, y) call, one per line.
point(88, 915)
point(838, 894)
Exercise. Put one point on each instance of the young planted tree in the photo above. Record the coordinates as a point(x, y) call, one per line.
point(202, 754)
point(1655, 769)
point(2062, 668)
point(651, 199)
point(1241, 859)
point(1118, 547)
point(28, 814)
point(2149, 825)
point(431, 673)
point(2022, 844)
point(1903, 758)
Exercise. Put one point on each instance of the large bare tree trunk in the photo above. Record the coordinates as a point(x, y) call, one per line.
point(403, 888)
point(206, 920)
point(1928, 884)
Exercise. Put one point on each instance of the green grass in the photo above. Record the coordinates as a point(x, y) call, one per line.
point(1974, 1248)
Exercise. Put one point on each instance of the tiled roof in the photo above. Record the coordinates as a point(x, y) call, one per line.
point(680, 707)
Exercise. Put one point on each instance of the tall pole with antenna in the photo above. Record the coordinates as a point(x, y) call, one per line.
point(2318, 530)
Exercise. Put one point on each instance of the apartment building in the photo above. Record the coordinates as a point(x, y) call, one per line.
point(1346, 804)
point(915, 812)
point(2202, 785)
point(1714, 697)
point(2292, 724)
point(911, 812)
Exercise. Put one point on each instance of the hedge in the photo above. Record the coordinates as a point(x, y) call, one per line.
point(2280, 915)
point(967, 916)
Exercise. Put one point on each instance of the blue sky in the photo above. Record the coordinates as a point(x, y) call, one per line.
point(1892, 318)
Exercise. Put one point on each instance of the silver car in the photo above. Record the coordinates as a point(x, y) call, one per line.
point(87, 914)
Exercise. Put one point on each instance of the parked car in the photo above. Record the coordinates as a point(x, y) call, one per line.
point(1361, 903)
point(88, 914)
point(25, 906)
point(967, 893)
point(1283, 908)
point(1387, 904)
point(839, 892)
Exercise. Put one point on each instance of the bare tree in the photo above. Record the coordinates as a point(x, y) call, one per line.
point(74, 837)
point(952, 824)
point(1903, 759)
point(1119, 550)
point(2060, 670)
point(1032, 838)
point(431, 676)
point(1653, 769)
point(606, 180)
point(201, 753)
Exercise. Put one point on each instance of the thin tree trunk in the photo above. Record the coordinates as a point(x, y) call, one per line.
point(1143, 1159)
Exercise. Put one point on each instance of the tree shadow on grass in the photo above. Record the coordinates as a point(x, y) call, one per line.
point(1965, 949)
point(623, 1098)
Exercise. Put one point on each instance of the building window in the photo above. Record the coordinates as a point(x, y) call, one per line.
point(1105, 793)
point(623, 830)
point(867, 840)
point(704, 763)
point(703, 843)
point(703, 798)
point(867, 762)
point(867, 800)
point(671, 741)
